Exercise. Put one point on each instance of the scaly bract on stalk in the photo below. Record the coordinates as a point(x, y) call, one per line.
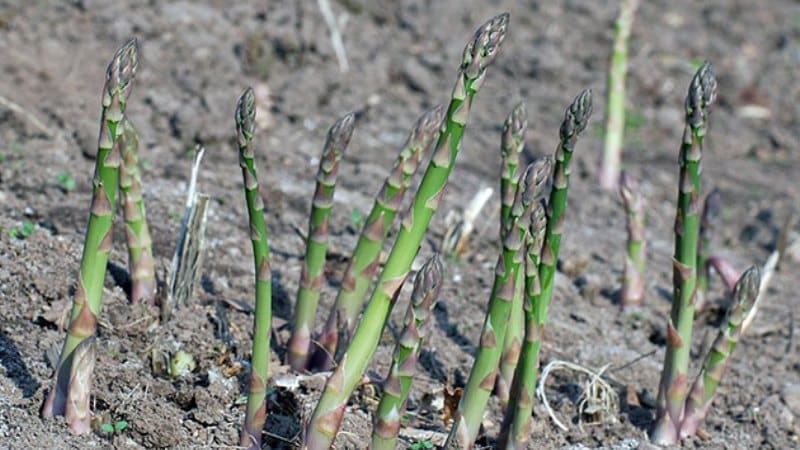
point(673, 386)
point(97, 244)
point(511, 146)
point(484, 371)
point(366, 257)
point(256, 410)
point(478, 55)
point(313, 274)
point(392, 406)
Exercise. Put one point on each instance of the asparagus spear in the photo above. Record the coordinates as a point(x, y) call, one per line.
point(635, 259)
point(484, 370)
point(97, 244)
point(576, 117)
point(477, 56)
point(140, 249)
point(427, 285)
point(256, 409)
point(673, 386)
point(708, 223)
point(365, 263)
point(705, 385)
point(615, 90)
point(512, 144)
point(516, 428)
point(317, 243)
point(77, 411)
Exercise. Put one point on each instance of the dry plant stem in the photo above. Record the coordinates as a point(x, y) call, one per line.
point(674, 384)
point(512, 144)
point(256, 409)
point(484, 371)
point(636, 254)
point(478, 55)
point(708, 224)
point(392, 406)
point(137, 233)
point(705, 385)
point(615, 90)
point(365, 261)
point(313, 274)
point(97, 244)
point(516, 428)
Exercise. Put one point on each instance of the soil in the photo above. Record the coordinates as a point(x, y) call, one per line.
point(197, 57)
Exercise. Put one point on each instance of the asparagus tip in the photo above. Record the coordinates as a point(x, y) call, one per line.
point(123, 66)
point(432, 273)
point(430, 122)
point(340, 133)
point(712, 207)
point(702, 94)
point(485, 45)
point(746, 290)
point(531, 183)
point(576, 117)
point(513, 128)
point(246, 115)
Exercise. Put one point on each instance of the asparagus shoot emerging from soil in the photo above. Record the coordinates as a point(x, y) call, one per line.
point(256, 409)
point(708, 224)
point(77, 411)
point(636, 254)
point(576, 117)
point(705, 385)
point(485, 368)
point(478, 55)
point(512, 144)
point(97, 244)
point(137, 233)
point(365, 261)
point(427, 285)
point(516, 429)
point(317, 241)
point(615, 91)
point(674, 384)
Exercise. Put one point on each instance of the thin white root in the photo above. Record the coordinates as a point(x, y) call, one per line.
point(336, 35)
point(597, 398)
point(461, 224)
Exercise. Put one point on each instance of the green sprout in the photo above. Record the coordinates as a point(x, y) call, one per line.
point(112, 428)
point(65, 180)
point(22, 232)
point(421, 445)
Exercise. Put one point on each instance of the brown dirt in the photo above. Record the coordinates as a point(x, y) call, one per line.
point(197, 57)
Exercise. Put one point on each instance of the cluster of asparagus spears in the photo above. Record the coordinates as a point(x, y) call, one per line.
point(507, 358)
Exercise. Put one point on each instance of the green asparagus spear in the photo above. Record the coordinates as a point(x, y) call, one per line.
point(708, 223)
point(140, 249)
point(256, 409)
point(365, 261)
point(705, 385)
point(97, 244)
point(674, 384)
point(317, 242)
point(477, 56)
point(516, 429)
point(484, 371)
point(615, 91)
point(512, 144)
point(635, 258)
point(576, 118)
point(392, 406)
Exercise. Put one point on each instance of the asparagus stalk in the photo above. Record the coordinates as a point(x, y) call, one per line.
point(137, 233)
point(635, 259)
point(708, 224)
point(365, 261)
point(674, 384)
point(516, 429)
point(97, 244)
point(392, 406)
point(615, 90)
point(512, 144)
point(479, 53)
point(705, 385)
point(485, 368)
point(317, 242)
point(576, 117)
point(256, 409)
point(77, 411)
